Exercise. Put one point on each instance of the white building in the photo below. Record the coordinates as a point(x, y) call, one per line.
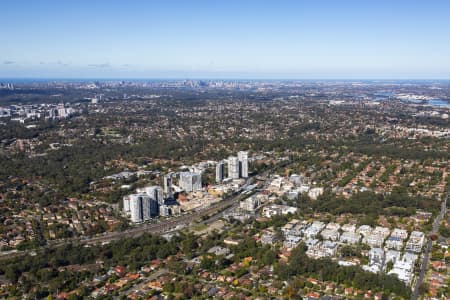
point(415, 242)
point(402, 233)
point(220, 172)
point(404, 267)
point(320, 250)
point(392, 255)
point(155, 192)
point(296, 179)
point(139, 207)
point(333, 226)
point(250, 204)
point(374, 240)
point(233, 167)
point(382, 231)
point(190, 182)
point(276, 209)
point(349, 227)
point(292, 241)
point(243, 164)
point(268, 238)
point(395, 241)
point(364, 230)
point(314, 193)
point(349, 237)
point(293, 227)
point(314, 229)
point(330, 234)
point(168, 185)
point(376, 260)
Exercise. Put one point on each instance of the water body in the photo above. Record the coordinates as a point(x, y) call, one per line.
point(439, 102)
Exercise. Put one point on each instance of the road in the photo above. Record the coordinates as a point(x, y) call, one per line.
point(426, 256)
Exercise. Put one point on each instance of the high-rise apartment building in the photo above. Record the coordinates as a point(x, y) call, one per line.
point(243, 164)
point(220, 171)
point(138, 207)
point(168, 185)
point(190, 181)
point(233, 167)
point(155, 192)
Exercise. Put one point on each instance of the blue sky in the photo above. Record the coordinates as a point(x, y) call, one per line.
point(225, 39)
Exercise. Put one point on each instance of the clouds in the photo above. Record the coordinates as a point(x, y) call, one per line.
point(9, 62)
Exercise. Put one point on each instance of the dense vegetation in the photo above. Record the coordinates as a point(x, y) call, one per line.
point(40, 273)
point(399, 203)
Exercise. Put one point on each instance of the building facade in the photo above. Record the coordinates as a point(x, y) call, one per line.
point(220, 172)
point(233, 167)
point(190, 182)
point(243, 164)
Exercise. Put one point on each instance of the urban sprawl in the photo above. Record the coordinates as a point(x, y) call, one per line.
point(224, 189)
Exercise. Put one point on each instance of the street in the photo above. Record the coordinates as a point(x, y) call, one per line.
point(426, 256)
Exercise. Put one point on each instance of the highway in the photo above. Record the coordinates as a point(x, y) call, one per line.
point(426, 256)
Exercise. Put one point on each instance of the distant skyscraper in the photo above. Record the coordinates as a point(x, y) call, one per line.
point(233, 167)
point(220, 171)
point(190, 181)
point(243, 163)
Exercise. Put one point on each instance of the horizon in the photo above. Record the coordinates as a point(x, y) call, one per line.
point(72, 79)
point(245, 40)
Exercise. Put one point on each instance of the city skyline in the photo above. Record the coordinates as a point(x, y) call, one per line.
point(200, 39)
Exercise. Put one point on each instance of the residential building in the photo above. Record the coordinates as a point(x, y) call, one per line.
point(276, 209)
point(233, 167)
point(314, 193)
point(349, 237)
point(415, 242)
point(243, 164)
point(190, 181)
point(168, 185)
point(364, 230)
point(348, 227)
point(330, 234)
point(155, 192)
point(220, 172)
point(392, 255)
point(296, 179)
point(250, 204)
point(139, 207)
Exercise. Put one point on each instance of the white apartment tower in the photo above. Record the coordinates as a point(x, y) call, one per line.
point(243, 163)
point(138, 207)
point(155, 192)
point(190, 181)
point(233, 167)
point(168, 185)
point(220, 171)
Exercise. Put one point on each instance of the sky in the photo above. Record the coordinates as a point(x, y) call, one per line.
point(279, 39)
